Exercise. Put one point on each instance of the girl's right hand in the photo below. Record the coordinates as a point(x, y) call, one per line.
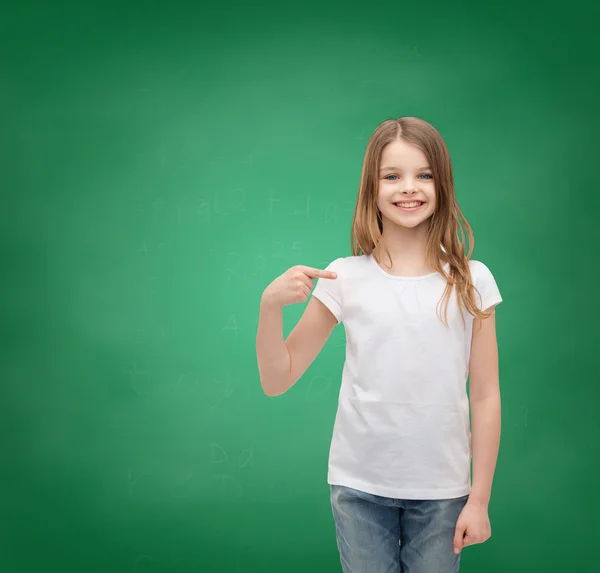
point(294, 285)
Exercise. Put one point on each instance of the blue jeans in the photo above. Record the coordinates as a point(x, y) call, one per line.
point(383, 535)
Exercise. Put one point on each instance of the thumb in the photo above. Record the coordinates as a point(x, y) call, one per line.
point(458, 537)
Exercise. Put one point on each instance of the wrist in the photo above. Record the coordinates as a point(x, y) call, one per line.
point(267, 302)
point(480, 500)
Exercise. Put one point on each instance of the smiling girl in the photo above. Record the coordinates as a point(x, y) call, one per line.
point(419, 316)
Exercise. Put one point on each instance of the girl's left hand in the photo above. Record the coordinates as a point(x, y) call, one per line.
point(473, 526)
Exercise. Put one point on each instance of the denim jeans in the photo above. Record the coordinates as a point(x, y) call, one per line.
point(384, 535)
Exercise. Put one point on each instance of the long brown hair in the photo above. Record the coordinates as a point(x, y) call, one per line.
point(443, 242)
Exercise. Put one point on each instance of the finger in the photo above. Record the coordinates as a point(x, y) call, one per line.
point(318, 273)
point(458, 539)
point(307, 282)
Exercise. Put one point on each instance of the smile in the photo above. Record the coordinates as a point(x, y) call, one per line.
point(410, 206)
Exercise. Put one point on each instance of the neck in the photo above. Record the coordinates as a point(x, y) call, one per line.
point(407, 246)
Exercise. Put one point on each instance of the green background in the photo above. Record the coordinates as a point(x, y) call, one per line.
point(164, 162)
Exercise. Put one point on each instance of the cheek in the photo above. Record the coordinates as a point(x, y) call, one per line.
point(381, 198)
point(385, 193)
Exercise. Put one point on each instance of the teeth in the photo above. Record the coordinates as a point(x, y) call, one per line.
point(413, 204)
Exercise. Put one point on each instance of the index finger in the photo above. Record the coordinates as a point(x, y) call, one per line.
point(319, 273)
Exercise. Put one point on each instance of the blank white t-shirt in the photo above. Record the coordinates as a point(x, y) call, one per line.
point(402, 425)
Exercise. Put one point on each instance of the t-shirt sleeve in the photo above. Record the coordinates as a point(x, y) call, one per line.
point(489, 294)
point(329, 291)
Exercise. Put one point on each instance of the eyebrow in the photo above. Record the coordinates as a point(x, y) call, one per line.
point(398, 169)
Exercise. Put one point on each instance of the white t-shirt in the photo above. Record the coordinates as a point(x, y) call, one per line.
point(402, 426)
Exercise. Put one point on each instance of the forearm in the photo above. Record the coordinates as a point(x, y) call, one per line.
point(271, 352)
point(485, 441)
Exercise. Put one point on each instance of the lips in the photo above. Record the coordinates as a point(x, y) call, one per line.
point(409, 209)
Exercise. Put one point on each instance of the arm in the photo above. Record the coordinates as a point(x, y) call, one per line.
point(282, 363)
point(271, 352)
point(485, 407)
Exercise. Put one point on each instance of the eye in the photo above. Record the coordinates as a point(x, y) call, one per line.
point(392, 175)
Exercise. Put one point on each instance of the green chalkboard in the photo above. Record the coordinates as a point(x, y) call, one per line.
point(164, 162)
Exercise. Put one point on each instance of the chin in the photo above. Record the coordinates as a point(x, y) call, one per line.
point(412, 224)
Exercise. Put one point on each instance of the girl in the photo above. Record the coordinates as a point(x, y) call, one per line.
point(419, 319)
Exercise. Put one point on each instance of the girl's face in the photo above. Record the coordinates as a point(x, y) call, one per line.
point(405, 177)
